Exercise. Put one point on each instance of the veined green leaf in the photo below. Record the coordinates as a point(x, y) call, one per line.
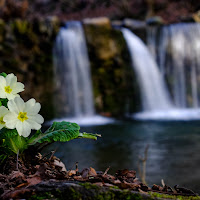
point(12, 140)
point(59, 131)
point(62, 132)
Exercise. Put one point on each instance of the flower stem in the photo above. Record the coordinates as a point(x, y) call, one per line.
point(89, 136)
point(17, 166)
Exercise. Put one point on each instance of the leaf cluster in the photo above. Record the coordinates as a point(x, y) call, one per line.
point(12, 143)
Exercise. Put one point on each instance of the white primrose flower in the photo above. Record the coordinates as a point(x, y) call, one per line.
point(3, 112)
point(9, 87)
point(23, 116)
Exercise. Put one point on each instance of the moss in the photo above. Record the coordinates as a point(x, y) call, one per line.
point(26, 50)
point(91, 192)
point(89, 186)
point(46, 195)
point(166, 196)
point(112, 73)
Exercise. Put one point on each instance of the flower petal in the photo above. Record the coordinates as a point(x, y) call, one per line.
point(2, 92)
point(11, 80)
point(34, 125)
point(33, 110)
point(29, 106)
point(19, 87)
point(16, 105)
point(23, 128)
point(11, 120)
point(11, 96)
point(38, 118)
point(2, 82)
point(3, 111)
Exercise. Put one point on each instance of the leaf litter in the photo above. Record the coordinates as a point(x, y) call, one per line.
point(14, 183)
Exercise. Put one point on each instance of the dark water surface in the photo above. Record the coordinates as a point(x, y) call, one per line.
point(173, 155)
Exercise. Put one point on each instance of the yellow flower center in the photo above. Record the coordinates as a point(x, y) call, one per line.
point(1, 121)
point(8, 89)
point(22, 116)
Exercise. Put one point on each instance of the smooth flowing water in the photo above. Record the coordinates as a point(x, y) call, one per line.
point(74, 94)
point(152, 86)
point(73, 90)
point(173, 153)
point(176, 48)
point(156, 101)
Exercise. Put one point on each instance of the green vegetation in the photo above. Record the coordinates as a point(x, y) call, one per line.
point(166, 196)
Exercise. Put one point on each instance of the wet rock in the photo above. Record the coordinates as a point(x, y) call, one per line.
point(99, 21)
point(134, 24)
point(196, 16)
point(156, 20)
point(111, 69)
point(73, 191)
point(117, 23)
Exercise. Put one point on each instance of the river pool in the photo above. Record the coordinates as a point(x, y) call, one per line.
point(173, 155)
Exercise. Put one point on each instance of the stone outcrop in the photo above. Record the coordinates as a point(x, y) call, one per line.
point(112, 75)
point(74, 191)
point(26, 51)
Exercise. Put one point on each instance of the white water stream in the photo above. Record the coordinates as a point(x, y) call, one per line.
point(74, 96)
point(156, 101)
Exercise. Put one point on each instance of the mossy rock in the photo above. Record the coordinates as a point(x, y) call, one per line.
point(114, 84)
point(26, 51)
point(62, 190)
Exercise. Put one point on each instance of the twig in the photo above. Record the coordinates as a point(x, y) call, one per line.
point(76, 166)
point(142, 172)
point(162, 182)
point(53, 152)
point(106, 171)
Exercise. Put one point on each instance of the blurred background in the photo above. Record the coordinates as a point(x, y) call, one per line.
point(129, 70)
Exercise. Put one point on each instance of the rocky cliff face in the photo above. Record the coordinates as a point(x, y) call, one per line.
point(115, 89)
point(26, 50)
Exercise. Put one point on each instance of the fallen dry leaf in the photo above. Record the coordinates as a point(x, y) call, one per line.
point(34, 180)
point(71, 172)
point(60, 164)
point(16, 175)
point(92, 172)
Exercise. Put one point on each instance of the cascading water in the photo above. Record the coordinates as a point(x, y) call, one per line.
point(74, 96)
point(178, 57)
point(72, 71)
point(155, 95)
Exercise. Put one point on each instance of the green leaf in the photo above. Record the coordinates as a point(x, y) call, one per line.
point(3, 158)
point(12, 140)
point(3, 74)
point(7, 133)
point(4, 102)
point(89, 136)
point(59, 131)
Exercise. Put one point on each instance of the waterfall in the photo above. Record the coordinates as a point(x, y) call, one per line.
point(73, 85)
point(72, 72)
point(154, 93)
point(175, 57)
point(178, 57)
